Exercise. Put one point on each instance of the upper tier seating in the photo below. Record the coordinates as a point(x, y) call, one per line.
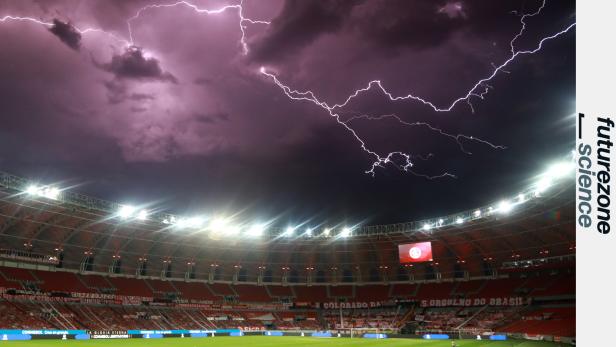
point(130, 286)
point(17, 274)
point(468, 287)
point(562, 285)
point(280, 291)
point(435, 290)
point(222, 289)
point(60, 281)
point(97, 282)
point(252, 293)
point(195, 291)
point(503, 287)
point(404, 290)
point(376, 292)
point(311, 293)
point(55, 281)
point(160, 286)
point(341, 291)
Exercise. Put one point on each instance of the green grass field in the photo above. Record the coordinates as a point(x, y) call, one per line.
point(267, 341)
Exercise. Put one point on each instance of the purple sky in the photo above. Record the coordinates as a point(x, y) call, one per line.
point(186, 120)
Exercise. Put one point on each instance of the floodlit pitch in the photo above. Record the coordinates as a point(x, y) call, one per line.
point(263, 341)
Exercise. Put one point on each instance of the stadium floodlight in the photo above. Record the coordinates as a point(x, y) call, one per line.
point(50, 193)
point(142, 215)
point(309, 232)
point(521, 198)
point(441, 221)
point(256, 230)
point(427, 227)
point(170, 220)
point(232, 230)
point(194, 222)
point(505, 206)
point(32, 190)
point(326, 232)
point(543, 185)
point(218, 224)
point(126, 211)
point(459, 220)
point(289, 232)
point(477, 213)
point(346, 232)
point(182, 223)
point(560, 170)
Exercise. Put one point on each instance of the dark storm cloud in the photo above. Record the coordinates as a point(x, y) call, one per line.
point(141, 96)
point(132, 64)
point(393, 23)
point(203, 81)
point(66, 33)
point(410, 23)
point(389, 24)
point(212, 117)
point(299, 23)
point(424, 24)
point(116, 91)
point(229, 139)
point(136, 109)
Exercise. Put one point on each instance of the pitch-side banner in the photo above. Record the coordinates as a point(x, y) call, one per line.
point(415, 252)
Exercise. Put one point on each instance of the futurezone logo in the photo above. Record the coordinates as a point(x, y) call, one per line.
point(593, 177)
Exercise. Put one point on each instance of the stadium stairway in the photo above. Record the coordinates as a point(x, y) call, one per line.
point(91, 316)
point(280, 291)
point(409, 315)
point(78, 317)
point(471, 317)
point(222, 290)
point(21, 316)
point(322, 321)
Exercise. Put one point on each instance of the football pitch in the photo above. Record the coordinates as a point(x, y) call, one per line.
point(282, 341)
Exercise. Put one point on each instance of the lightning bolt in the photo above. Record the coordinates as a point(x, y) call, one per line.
point(478, 90)
point(457, 138)
point(380, 161)
point(51, 24)
point(25, 19)
point(239, 7)
point(243, 20)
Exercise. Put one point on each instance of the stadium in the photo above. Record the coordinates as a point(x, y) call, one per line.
point(211, 173)
point(107, 270)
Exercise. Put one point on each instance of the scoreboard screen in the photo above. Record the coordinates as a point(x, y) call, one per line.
point(415, 252)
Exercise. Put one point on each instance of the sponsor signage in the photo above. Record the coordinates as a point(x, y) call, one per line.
point(41, 332)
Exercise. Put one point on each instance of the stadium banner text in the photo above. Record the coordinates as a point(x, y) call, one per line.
point(507, 301)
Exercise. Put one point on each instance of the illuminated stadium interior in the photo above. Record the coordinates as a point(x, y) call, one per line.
point(501, 273)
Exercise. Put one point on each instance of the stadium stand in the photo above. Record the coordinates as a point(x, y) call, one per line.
point(23, 310)
point(288, 284)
